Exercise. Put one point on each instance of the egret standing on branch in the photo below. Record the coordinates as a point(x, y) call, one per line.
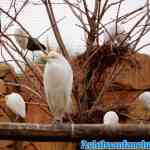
point(58, 80)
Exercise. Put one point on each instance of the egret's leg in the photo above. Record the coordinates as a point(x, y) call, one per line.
point(16, 118)
point(57, 122)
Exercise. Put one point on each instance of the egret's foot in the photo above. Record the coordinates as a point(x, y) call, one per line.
point(16, 118)
point(67, 117)
point(70, 118)
point(57, 123)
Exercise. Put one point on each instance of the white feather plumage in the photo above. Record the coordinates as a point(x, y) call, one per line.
point(16, 104)
point(58, 80)
point(145, 99)
point(21, 38)
point(111, 118)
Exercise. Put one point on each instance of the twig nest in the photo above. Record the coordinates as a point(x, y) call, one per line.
point(16, 104)
point(145, 99)
point(111, 118)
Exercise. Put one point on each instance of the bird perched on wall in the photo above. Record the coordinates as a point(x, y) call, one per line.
point(111, 118)
point(16, 104)
point(145, 99)
point(58, 80)
point(27, 42)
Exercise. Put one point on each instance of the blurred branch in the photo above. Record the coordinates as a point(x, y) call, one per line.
point(103, 9)
point(52, 20)
point(11, 55)
point(21, 26)
point(24, 86)
point(118, 12)
point(133, 28)
point(143, 46)
point(87, 12)
point(129, 14)
point(79, 17)
point(144, 27)
point(0, 25)
point(46, 30)
point(16, 14)
point(41, 3)
point(113, 4)
point(35, 73)
point(108, 81)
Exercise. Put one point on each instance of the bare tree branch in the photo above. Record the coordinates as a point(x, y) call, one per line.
point(49, 9)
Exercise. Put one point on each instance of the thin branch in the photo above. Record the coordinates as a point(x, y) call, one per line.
point(113, 4)
point(77, 16)
point(133, 28)
point(33, 71)
point(103, 9)
point(14, 18)
point(87, 12)
point(24, 86)
point(46, 30)
point(22, 27)
point(52, 20)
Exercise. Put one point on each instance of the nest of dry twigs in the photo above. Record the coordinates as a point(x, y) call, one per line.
point(91, 70)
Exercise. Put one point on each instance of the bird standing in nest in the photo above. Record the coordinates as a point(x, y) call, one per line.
point(58, 80)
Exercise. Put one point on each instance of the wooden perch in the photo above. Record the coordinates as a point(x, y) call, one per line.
point(73, 132)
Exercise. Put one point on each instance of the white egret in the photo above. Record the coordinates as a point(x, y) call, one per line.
point(145, 99)
point(58, 80)
point(111, 118)
point(16, 104)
